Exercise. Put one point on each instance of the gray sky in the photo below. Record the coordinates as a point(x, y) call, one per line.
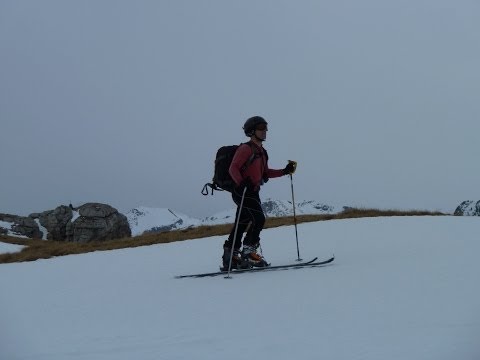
point(126, 102)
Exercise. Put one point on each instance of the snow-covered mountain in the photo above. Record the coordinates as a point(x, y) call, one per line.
point(276, 208)
point(224, 217)
point(145, 219)
point(468, 208)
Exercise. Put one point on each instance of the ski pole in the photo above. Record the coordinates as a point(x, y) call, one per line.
point(295, 219)
point(235, 237)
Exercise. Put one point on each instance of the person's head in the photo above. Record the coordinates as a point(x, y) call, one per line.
point(256, 127)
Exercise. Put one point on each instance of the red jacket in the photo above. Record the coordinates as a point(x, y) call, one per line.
point(258, 168)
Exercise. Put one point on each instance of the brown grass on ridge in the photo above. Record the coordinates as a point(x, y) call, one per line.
point(38, 249)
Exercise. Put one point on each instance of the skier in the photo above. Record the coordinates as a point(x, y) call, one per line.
point(251, 178)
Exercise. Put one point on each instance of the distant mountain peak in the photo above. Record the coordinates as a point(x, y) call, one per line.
point(146, 219)
point(468, 208)
point(275, 208)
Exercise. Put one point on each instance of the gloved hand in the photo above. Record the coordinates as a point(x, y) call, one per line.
point(290, 168)
point(246, 183)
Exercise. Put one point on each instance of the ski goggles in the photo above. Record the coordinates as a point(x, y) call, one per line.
point(261, 127)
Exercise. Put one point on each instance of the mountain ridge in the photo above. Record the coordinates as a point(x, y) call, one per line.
point(146, 219)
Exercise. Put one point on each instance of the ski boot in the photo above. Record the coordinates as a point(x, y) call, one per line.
point(237, 261)
point(252, 257)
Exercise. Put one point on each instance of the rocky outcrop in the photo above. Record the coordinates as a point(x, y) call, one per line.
point(90, 222)
point(55, 221)
point(19, 226)
point(468, 208)
point(97, 222)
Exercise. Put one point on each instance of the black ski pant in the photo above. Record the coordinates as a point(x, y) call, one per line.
point(251, 213)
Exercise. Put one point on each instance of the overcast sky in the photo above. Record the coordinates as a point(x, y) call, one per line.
point(126, 102)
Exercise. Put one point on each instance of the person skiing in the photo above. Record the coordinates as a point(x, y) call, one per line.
point(250, 179)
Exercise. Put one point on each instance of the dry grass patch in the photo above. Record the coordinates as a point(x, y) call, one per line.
point(39, 249)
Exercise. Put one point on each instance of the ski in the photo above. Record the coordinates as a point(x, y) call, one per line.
point(311, 263)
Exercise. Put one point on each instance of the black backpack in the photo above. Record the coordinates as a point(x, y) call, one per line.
point(221, 177)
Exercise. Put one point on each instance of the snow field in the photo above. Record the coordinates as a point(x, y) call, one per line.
point(400, 288)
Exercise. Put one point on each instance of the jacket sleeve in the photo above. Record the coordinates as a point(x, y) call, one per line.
point(241, 156)
point(273, 173)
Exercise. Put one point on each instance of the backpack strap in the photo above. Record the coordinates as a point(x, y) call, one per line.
point(266, 153)
point(212, 186)
point(251, 158)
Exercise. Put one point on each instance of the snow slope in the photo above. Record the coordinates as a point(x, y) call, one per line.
point(400, 288)
point(9, 248)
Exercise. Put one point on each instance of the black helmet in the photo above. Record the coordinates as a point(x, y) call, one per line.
point(252, 123)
